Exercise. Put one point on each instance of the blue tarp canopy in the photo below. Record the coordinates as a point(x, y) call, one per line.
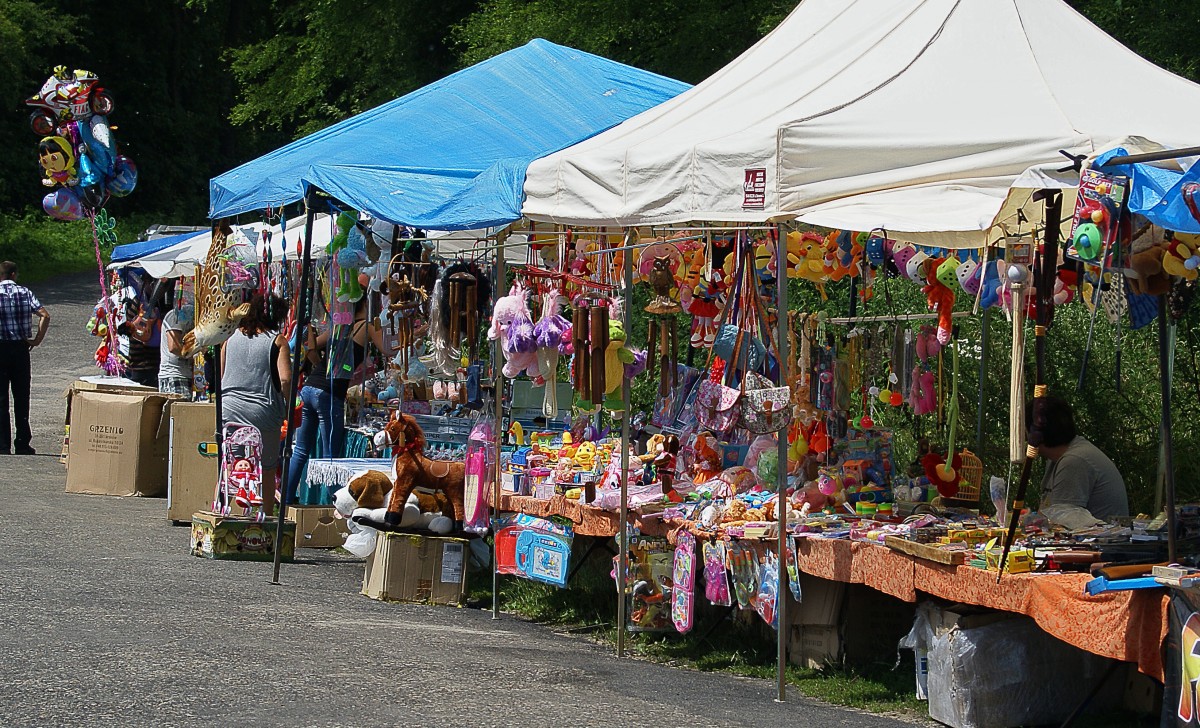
point(452, 155)
point(1162, 195)
point(131, 251)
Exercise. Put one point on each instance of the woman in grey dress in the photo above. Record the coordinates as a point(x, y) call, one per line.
point(255, 374)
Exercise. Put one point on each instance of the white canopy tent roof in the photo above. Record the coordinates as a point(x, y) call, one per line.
point(180, 259)
point(918, 116)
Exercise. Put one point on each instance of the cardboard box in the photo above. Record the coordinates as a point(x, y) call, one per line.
point(419, 569)
point(820, 604)
point(317, 527)
point(814, 646)
point(191, 477)
point(239, 538)
point(118, 443)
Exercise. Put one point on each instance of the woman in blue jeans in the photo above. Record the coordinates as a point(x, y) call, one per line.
point(324, 392)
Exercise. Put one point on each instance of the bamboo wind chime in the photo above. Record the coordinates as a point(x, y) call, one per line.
point(589, 337)
point(662, 335)
point(464, 305)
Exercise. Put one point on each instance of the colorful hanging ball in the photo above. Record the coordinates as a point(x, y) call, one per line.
point(866, 423)
point(897, 399)
point(885, 396)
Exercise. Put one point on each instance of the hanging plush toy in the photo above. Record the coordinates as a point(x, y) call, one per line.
point(939, 295)
point(548, 333)
point(511, 325)
point(616, 356)
point(703, 308)
point(349, 259)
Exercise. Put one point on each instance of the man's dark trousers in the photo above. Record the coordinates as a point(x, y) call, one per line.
point(15, 373)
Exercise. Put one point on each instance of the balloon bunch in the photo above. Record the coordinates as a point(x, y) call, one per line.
point(78, 153)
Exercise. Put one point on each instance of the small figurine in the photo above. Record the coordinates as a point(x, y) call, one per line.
point(664, 465)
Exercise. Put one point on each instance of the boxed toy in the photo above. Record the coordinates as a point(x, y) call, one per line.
point(243, 539)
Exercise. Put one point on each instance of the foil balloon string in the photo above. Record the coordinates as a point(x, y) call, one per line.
point(112, 363)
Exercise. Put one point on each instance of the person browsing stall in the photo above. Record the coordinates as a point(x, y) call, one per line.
point(255, 373)
point(174, 369)
point(1078, 474)
point(331, 360)
point(18, 306)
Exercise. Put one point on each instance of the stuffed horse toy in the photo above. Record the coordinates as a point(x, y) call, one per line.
point(414, 470)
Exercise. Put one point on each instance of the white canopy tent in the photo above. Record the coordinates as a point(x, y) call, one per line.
point(936, 117)
point(181, 259)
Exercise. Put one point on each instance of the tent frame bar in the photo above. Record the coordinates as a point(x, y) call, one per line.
point(1154, 156)
point(892, 317)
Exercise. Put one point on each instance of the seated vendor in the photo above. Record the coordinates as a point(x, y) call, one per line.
point(1078, 474)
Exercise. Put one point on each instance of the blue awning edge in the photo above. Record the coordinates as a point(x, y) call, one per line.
point(451, 155)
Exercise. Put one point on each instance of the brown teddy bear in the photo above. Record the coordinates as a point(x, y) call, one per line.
point(1147, 263)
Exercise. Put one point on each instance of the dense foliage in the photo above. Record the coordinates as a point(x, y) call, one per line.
point(204, 85)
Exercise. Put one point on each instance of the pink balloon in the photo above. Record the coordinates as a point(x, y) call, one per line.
point(63, 204)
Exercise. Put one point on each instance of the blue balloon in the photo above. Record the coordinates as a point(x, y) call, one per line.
point(91, 182)
point(124, 178)
point(98, 139)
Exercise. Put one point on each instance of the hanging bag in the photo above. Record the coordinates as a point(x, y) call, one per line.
point(766, 408)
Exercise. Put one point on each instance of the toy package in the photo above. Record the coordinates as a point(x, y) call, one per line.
point(684, 578)
point(768, 590)
point(533, 548)
point(1101, 221)
point(649, 583)
point(716, 577)
point(743, 569)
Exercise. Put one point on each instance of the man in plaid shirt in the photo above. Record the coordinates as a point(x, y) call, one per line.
point(18, 306)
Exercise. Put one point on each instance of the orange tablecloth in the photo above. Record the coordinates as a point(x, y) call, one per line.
point(1123, 625)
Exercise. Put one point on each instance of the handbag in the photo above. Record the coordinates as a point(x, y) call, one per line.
point(726, 342)
point(765, 407)
point(717, 407)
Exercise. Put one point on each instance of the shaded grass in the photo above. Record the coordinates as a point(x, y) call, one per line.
point(739, 643)
point(43, 247)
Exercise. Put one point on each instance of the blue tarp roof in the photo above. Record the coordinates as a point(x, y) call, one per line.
point(452, 155)
point(1158, 193)
point(136, 250)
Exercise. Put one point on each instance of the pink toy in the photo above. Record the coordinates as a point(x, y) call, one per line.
point(716, 577)
point(683, 576)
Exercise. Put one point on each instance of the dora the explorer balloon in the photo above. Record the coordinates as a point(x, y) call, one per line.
point(57, 160)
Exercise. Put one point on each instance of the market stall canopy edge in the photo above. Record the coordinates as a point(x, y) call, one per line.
point(451, 155)
point(919, 116)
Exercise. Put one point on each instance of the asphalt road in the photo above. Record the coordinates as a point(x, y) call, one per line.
point(106, 620)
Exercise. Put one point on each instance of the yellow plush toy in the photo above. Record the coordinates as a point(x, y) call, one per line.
point(585, 456)
point(1183, 256)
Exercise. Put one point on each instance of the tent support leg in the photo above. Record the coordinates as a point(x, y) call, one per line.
point(302, 317)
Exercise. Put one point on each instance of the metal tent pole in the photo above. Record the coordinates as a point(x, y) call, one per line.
point(498, 393)
point(781, 503)
point(1168, 455)
point(984, 340)
point(622, 522)
point(303, 314)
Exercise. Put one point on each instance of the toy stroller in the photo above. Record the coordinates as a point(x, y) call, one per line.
point(240, 481)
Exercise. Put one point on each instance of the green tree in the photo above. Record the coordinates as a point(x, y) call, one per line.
point(684, 40)
point(330, 59)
